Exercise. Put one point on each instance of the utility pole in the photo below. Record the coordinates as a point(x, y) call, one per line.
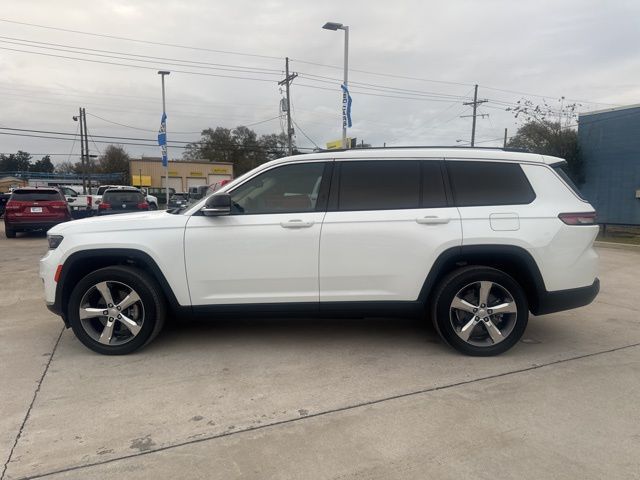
point(86, 149)
point(287, 82)
point(505, 138)
point(475, 104)
point(82, 164)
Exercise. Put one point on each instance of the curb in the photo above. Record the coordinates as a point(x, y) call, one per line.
point(618, 246)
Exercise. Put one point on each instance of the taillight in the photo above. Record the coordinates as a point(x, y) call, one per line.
point(58, 205)
point(89, 200)
point(11, 206)
point(582, 218)
point(104, 206)
point(143, 206)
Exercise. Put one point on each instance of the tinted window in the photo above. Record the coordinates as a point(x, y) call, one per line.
point(489, 183)
point(286, 189)
point(36, 195)
point(379, 185)
point(433, 193)
point(123, 196)
point(563, 174)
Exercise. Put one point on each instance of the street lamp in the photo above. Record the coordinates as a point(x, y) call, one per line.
point(335, 27)
point(165, 155)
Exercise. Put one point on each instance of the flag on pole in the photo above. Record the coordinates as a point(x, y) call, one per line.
point(162, 139)
point(346, 106)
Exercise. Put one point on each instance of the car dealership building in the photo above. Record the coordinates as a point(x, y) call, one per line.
point(149, 172)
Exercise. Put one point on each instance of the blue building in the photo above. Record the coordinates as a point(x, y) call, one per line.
point(610, 144)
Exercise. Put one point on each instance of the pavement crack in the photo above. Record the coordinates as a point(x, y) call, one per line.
point(33, 400)
point(326, 412)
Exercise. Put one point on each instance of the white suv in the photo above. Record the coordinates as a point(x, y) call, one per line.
point(475, 239)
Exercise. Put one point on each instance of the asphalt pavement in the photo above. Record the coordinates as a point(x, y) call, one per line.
point(320, 399)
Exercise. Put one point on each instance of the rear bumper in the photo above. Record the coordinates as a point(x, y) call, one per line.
point(557, 301)
point(32, 224)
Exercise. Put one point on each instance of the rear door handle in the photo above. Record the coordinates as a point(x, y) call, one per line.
point(433, 220)
point(296, 224)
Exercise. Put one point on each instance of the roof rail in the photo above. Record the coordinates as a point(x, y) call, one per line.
point(462, 147)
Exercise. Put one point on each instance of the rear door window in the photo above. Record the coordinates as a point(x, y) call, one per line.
point(379, 185)
point(36, 195)
point(476, 183)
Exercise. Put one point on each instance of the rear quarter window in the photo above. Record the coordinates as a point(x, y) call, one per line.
point(477, 183)
point(36, 195)
point(560, 170)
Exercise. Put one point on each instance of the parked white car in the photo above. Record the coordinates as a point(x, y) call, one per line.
point(79, 204)
point(474, 239)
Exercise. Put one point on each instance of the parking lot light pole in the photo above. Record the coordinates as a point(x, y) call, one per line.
point(335, 27)
point(162, 74)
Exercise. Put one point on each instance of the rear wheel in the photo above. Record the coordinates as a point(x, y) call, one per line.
point(9, 233)
point(480, 311)
point(116, 310)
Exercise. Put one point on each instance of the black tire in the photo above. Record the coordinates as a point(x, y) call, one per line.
point(153, 206)
point(151, 298)
point(9, 233)
point(443, 318)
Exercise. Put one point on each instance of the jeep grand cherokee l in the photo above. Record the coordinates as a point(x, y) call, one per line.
point(473, 239)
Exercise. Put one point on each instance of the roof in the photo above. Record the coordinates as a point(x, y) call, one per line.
point(179, 162)
point(425, 152)
point(609, 110)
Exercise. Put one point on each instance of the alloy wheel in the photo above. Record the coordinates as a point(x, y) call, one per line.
point(111, 313)
point(483, 313)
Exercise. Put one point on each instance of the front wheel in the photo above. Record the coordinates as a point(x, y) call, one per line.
point(116, 310)
point(480, 311)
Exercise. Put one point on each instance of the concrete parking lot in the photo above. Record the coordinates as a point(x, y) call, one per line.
point(326, 399)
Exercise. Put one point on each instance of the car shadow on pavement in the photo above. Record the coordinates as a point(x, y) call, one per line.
point(299, 331)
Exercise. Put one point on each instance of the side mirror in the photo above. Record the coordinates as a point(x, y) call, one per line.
point(217, 205)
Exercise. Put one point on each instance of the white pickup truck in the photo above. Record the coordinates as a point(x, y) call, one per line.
point(80, 205)
point(96, 199)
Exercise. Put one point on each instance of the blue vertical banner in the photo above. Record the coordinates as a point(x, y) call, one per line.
point(162, 139)
point(346, 106)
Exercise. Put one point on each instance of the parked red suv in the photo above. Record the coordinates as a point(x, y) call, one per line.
point(34, 209)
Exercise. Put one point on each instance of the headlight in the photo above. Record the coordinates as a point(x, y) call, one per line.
point(54, 241)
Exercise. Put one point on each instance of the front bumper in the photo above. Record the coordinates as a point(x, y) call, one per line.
point(557, 301)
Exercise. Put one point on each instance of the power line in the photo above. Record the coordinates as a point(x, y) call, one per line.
point(155, 60)
point(135, 66)
point(303, 133)
point(48, 45)
point(272, 57)
point(149, 42)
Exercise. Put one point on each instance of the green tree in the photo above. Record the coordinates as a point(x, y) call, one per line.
point(549, 138)
point(550, 130)
point(115, 159)
point(43, 165)
point(20, 161)
point(240, 146)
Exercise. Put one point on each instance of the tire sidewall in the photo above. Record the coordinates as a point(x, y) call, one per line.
point(452, 285)
point(134, 279)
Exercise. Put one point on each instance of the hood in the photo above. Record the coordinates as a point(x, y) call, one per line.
point(148, 220)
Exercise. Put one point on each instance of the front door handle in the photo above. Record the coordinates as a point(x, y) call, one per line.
point(296, 224)
point(433, 220)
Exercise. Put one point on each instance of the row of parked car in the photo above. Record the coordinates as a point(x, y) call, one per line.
point(40, 208)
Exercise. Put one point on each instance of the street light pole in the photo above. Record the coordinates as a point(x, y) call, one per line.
point(339, 26)
point(162, 74)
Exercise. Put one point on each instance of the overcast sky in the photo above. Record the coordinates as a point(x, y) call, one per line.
point(585, 50)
